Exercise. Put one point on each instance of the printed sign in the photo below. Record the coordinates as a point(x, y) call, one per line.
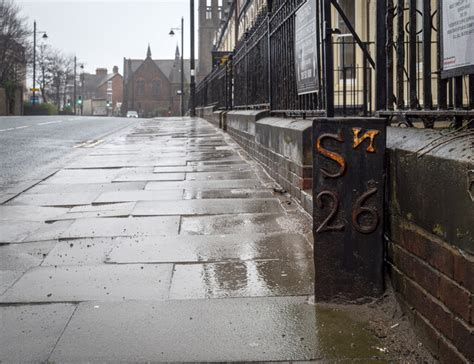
point(306, 60)
point(458, 37)
point(348, 211)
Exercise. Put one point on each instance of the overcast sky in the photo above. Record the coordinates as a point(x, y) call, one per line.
point(102, 33)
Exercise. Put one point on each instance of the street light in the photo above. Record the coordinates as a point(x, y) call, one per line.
point(45, 36)
point(192, 84)
point(182, 61)
point(83, 81)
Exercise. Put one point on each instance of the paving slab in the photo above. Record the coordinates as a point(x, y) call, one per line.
point(101, 208)
point(266, 278)
point(205, 248)
point(78, 252)
point(208, 168)
point(216, 162)
point(29, 213)
point(19, 187)
point(198, 194)
point(52, 231)
point(55, 199)
point(68, 176)
point(86, 187)
point(217, 176)
point(91, 283)
point(212, 156)
point(17, 231)
point(21, 257)
point(206, 207)
point(224, 330)
point(124, 211)
point(135, 162)
point(139, 195)
point(137, 177)
point(91, 228)
point(238, 183)
point(29, 333)
point(242, 224)
point(7, 278)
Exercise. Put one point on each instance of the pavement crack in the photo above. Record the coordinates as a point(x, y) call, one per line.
point(62, 333)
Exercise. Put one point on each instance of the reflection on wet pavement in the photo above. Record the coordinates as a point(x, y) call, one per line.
point(165, 243)
point(242, 279)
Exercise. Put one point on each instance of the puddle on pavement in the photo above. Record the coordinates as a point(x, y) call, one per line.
point(242, 279)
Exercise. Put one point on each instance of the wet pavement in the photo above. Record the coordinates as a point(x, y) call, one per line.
point(165, 243)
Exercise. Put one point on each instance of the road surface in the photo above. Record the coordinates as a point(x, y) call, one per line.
point(31, 147)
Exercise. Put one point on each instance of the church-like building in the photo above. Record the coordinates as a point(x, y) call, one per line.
point(151, 87)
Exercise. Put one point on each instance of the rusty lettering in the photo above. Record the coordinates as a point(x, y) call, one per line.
point(334, 209)
point(359, 210)
point(332, 155)
point(371, 134)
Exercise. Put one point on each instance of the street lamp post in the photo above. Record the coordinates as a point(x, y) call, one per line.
point(75, 85)
point(192, 83)
point(45, 36)
point(182, 62)
point(83, 81)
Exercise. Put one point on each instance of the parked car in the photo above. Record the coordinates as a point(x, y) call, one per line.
point(132, 114)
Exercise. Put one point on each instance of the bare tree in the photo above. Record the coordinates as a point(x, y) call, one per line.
point(14, 43)
point(67, 76)
point(45, 64)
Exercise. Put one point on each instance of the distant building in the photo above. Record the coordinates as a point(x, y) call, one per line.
point(212, 13)
point(103, 86)
point(151, 86)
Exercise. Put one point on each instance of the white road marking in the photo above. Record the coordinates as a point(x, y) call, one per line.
point(51, 122)
point(89, 144)
point(94, 144)
point(16, 128)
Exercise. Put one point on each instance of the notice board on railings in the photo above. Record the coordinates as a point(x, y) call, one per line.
point(457, 37)
point(306, 55)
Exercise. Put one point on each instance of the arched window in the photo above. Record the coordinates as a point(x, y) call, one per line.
point(140, 87)
point(155, 87)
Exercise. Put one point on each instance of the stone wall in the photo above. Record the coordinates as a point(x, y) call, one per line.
point(431, 249)
point(430, 229)
point(282, 146)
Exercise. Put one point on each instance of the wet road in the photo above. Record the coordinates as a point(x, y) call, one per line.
point(33, 147)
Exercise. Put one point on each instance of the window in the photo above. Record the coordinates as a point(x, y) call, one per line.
point(140, 87)
point(346, 41)
point(109, 85)
point(155, 87)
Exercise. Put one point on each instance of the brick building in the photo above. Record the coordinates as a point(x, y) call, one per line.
point(151, 86)
point(103, 85)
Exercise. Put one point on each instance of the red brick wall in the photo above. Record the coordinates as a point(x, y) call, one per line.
point(436, 282)
point(117, 89)
point(431, 252)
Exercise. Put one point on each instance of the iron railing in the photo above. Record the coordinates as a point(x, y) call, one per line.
point(251, 67)
point(216, 88)
point(406, 86)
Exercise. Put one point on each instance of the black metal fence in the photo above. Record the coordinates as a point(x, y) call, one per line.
point(407, 85)
point(216, 88)
point(251, 67)
point(414, 87)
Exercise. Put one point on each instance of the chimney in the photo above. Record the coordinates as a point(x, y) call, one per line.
point(116, 70)
point(101, 71)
